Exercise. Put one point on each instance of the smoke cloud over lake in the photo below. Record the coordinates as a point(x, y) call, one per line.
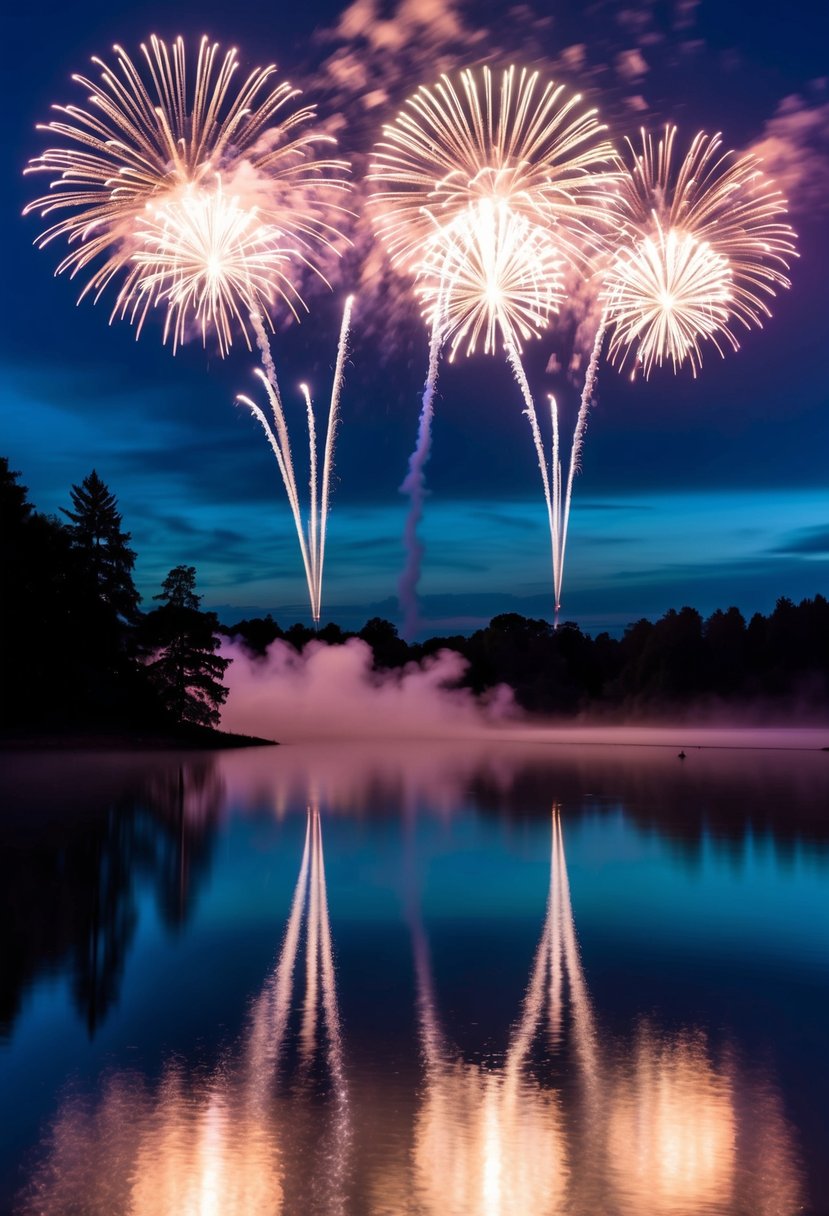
point(334, 692)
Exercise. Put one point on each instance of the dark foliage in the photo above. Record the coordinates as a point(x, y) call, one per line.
point(681, 663)
point(76, 856)
point(76, 650)
point(181, 642)
point(105, 560)
point(72, 637)
point(37, 598)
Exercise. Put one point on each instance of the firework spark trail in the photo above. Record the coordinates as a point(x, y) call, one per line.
point(530, 412)
point(330, 435)
point(487, 186)
point(312, 491)
point(275, 398)
point(575, 451)
point(308, 1032)
point(489, 274)
point(273, 1006)
point(702, 245)
point(311, 542)
point(287, 478)
point(414, 486)
point(555, 468)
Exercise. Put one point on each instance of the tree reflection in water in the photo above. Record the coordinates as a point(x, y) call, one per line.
point(239, 1140)
point(79, 844)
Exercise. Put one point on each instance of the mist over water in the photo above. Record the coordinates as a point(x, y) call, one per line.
point(330, 692)
point(333, 692)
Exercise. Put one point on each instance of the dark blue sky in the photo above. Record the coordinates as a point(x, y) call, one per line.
point(708, 492)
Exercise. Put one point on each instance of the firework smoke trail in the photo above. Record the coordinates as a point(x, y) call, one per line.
point(330, 435)
point(414, 486)
point(257, 321)
point(312, 543)
point(487, 184)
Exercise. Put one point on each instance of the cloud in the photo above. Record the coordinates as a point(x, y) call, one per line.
point(574, 57)
point(631, 65)
point(685, 14)
point(809, 542)
point(794, 149)
point(332, 692)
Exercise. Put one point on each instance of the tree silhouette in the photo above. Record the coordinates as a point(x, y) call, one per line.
point(103, 607)
point(184, 668)
point(35, 607)
point(103, 547)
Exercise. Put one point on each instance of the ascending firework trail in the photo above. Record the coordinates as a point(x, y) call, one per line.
point(207, 201)
point(699, 248)
point(313, 537)
point(487, 187)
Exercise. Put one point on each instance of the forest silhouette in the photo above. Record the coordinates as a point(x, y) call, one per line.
point(79, 654)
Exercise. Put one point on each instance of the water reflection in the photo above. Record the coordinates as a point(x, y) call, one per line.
point(492, 1140)
point(653, 1127)
point(579, 1107)
point(253, 1135)
point(78, 839)
point(726, 794)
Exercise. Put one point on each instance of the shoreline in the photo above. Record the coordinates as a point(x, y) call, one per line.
point(682, 736)
point(806, 738)
point(191, 739)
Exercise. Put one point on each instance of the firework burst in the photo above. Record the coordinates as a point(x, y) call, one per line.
point(703, 249)
point(490, 273)
point(668, 295)
point(468, 171)
point(517, 139)
point(136, 167)
point(208, 262)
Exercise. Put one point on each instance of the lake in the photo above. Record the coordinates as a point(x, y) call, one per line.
point(503, 976)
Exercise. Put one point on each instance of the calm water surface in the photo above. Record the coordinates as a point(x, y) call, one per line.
point(481, 979)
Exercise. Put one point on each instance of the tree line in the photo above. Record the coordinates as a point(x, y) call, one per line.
point(76, 648)
point(776, 664)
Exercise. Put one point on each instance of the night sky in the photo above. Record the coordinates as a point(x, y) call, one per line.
point(707, 492)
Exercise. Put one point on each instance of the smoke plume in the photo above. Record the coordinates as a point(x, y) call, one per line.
point(329, 692)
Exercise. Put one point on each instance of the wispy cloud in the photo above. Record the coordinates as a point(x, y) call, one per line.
point(631, 64)
point(794, 149)
point(808, 542)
